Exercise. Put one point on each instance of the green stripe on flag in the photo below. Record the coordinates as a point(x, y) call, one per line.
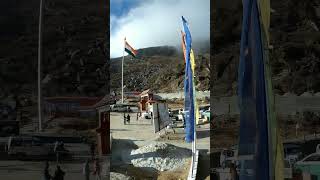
point(129, 52)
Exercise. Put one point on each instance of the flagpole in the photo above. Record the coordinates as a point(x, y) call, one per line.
point(39, 65)
point(122, 70)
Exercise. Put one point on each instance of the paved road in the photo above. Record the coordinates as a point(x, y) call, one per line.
point(138, 131)
point(141, 132)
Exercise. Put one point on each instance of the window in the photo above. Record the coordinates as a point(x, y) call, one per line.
point(313, 158)
point(228, 153)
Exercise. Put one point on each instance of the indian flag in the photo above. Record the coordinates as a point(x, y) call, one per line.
point(130, 49)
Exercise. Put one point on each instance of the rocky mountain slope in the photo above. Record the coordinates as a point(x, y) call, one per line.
point(160, 69)
point(74, 55)
point(295, 38)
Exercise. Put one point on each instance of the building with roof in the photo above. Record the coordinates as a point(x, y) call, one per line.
point(70, 106)
point(146, 97)
point(102, 108)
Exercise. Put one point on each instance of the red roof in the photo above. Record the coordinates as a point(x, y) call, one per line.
point(132, 93)
point(83, 101)
point(155, 101)
point(105, 101)
point(148, 91)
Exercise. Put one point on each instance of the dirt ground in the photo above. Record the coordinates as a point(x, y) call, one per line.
point(140, 173)
point(139, 133)
point(33, 170)
point(181, 173)
point(26, 170)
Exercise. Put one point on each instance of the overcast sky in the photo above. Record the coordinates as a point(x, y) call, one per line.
point(147, 23)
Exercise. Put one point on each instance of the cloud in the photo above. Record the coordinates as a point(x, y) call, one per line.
point(158, 22)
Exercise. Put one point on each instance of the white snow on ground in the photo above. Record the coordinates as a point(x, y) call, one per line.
point(160, 156)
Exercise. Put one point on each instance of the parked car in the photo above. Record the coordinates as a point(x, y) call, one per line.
point(228, 155)
point(123, 108)
point(174, 115)
point(310, 164)
point(27, 147)
point(292, 152)
point(246, 167)
point(202, 110)
point(146, 115)
point(206, 114)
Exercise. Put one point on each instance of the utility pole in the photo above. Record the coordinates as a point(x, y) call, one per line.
point(39, 65)
point(122, 71)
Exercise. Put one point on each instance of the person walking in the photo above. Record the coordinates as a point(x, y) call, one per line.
point(86, 170)
point(59, 174)
point(124, 119)
point(47, 175)
point(97, 169)
point(128, 118)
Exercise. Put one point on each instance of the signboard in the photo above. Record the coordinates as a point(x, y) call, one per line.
point(160, 116)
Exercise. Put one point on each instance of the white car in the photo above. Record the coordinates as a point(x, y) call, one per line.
point(313, 158)
point(310, 164)
point(146, 115)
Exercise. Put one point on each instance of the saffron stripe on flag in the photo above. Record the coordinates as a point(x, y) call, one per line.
point(130, 50)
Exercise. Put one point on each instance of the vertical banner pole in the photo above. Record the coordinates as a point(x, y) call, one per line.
point(122, 70)
point(39, 65)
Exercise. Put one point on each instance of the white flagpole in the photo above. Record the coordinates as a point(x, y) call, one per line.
point(122, 69)
point(39, 65)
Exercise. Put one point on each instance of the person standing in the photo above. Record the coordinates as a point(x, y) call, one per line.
point(86, 170)
point(233, 172)
point(47, 175)
point(59, 174)
point(97, 169)
point(128, 118)
point(297, 128)
point(92, 149)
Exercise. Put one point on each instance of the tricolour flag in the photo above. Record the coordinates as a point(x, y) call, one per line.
point(130, 49)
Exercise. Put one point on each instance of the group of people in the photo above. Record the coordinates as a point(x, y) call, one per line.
point(126, 119)
point(59, 173)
